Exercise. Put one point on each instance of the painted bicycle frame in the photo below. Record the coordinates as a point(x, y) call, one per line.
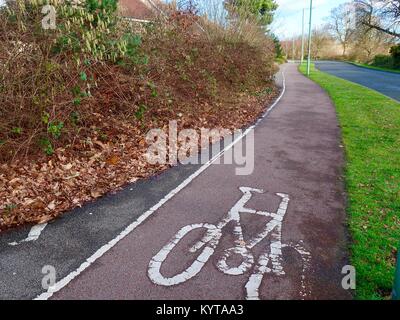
point(268, 262)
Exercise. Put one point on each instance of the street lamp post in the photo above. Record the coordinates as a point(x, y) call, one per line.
point(302, 37)
point(309, 41)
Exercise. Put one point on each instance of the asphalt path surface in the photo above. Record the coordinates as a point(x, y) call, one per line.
point(278, 233)
point(387, 83)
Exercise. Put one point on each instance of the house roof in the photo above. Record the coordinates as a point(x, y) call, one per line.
point(137, 9)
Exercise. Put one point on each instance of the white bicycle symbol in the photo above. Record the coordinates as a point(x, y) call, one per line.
point(268, 262)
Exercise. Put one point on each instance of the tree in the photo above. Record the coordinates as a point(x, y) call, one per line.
point(370, 42)
point(381, 15)
point(262, 10)
point(341, 23)
point(189, 6)
point(321, 40)
point(395, 52)
point(278, 47)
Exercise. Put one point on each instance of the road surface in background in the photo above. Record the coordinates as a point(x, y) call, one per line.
point(387, 83)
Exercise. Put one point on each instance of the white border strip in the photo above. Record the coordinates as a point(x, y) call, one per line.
point(100, 252)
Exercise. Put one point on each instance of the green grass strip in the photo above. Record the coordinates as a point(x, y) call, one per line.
point(370, 125)
point(363, 65)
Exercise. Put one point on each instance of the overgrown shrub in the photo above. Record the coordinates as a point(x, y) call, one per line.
point(54, 83)
point(395, 54)
point(76, 102)
point(386, 61)
point(46, 76)
point(383, 61)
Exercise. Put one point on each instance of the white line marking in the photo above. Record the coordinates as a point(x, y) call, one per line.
point(33, 235)
point(100, 252)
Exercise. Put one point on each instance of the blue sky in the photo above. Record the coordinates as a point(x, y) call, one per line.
point(289, 15)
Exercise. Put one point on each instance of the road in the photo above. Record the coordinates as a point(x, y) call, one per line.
point(278, 233)
point(387, 83)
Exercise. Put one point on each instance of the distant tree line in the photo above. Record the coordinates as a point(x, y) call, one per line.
point(366, 31)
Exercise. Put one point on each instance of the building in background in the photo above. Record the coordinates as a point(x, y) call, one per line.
point(140, 9)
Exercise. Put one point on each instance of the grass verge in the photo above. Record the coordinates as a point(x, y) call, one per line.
point(370, 125)
point(363, 65)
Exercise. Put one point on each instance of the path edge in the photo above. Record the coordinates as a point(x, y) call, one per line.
point(143, 217)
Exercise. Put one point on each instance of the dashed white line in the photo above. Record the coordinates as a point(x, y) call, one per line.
point(33, 235)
